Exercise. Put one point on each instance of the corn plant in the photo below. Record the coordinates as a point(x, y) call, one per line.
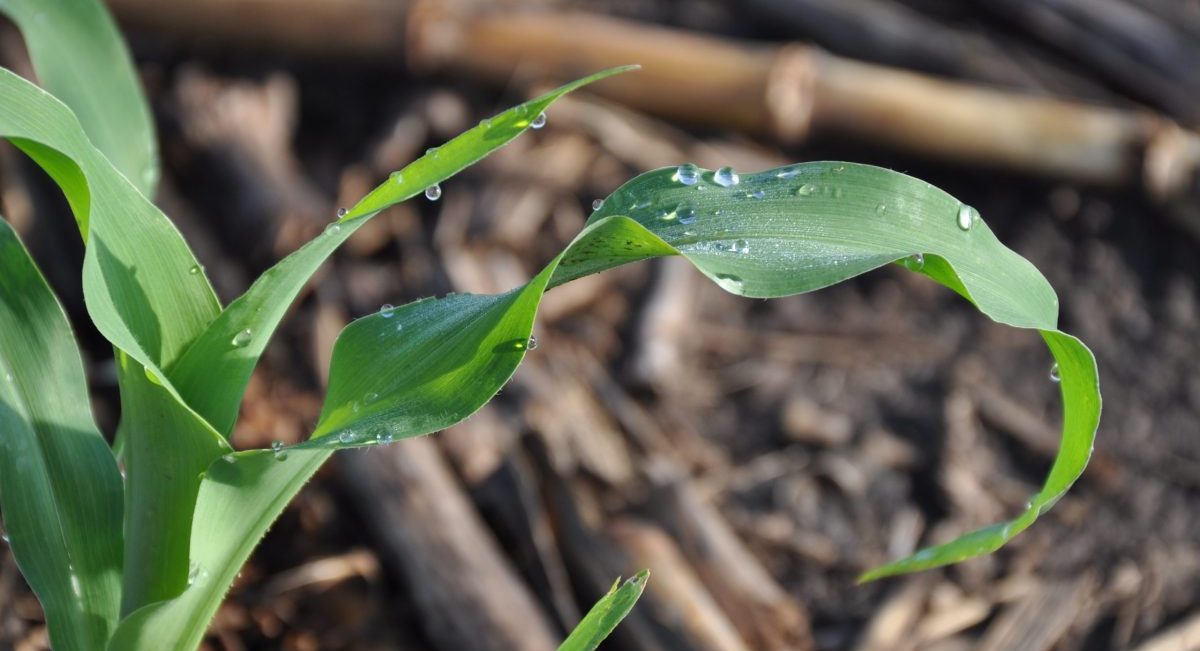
point(142, 559)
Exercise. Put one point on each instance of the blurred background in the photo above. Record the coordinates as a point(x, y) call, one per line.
point(755, 455)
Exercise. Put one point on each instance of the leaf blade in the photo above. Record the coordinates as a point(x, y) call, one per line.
point(606, 614)
point(263, 306)
point(60, 489)
point(80, 57)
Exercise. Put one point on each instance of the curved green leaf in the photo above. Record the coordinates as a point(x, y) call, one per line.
point(212, 375)
point(143, 287)
point(148, 296)
point(780, 232)
point(80, 57)
point(60, 489)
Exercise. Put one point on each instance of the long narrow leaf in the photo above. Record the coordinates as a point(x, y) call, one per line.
point(147, 294)
point(60, 489)
point(143, 287)
point(80, 57)
point(212, 375)
point(775, 233)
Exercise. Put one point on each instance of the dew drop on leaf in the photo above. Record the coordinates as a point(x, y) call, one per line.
point(966, 217)
point(915, 262)
point(806, 190)
point(242, 338)
point(195, 270)
point(333, 229)
point(685, 213)
point(342, 212)
point(687, 174)
point(597, 204)
point(1055, 376)
point(347, 436)
point(726, 177)
point(532, 344)
point(539, 121)
point(433, 192)
point(387, 310)
point(397, 177)
point(278, 451)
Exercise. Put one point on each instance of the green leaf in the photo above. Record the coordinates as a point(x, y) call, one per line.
point(80, 57)
point(60, 489)
point(212, 375)
point(606, 614)
point(775, 233)
point(143, 287)
point(148, 296)
point(167, 449)
point(240, 497)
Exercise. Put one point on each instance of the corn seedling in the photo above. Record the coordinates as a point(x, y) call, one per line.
point(142, 561)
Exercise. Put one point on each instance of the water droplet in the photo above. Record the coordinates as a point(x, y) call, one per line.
point(4, 538)
point(881, 209)
point(687, 174)
point(433, 192)
point(538, 122)
point(76, 586)
point(532, 343)
point(839, 169)
point(741, 247)
point(915, 262)
point(397, 177)
point(726, 177)
point(383, 438)
point(597, 204)
point(347, 436)
point(730, 283)
point(967, 216)
point(387, 310)
point(757, 194)
point(685, 213)
point(370, 397)
point(1055, 376)
point(228, 458)
point(333, 229)
point(242, 338)
point(196, 572)
point(806, 190)
point(486, 123)
point(667, 215)
point(432, 151)
point(278, 451)
point(195, 270)
point(923, 555)
point(342, 212)
point(790, 172)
